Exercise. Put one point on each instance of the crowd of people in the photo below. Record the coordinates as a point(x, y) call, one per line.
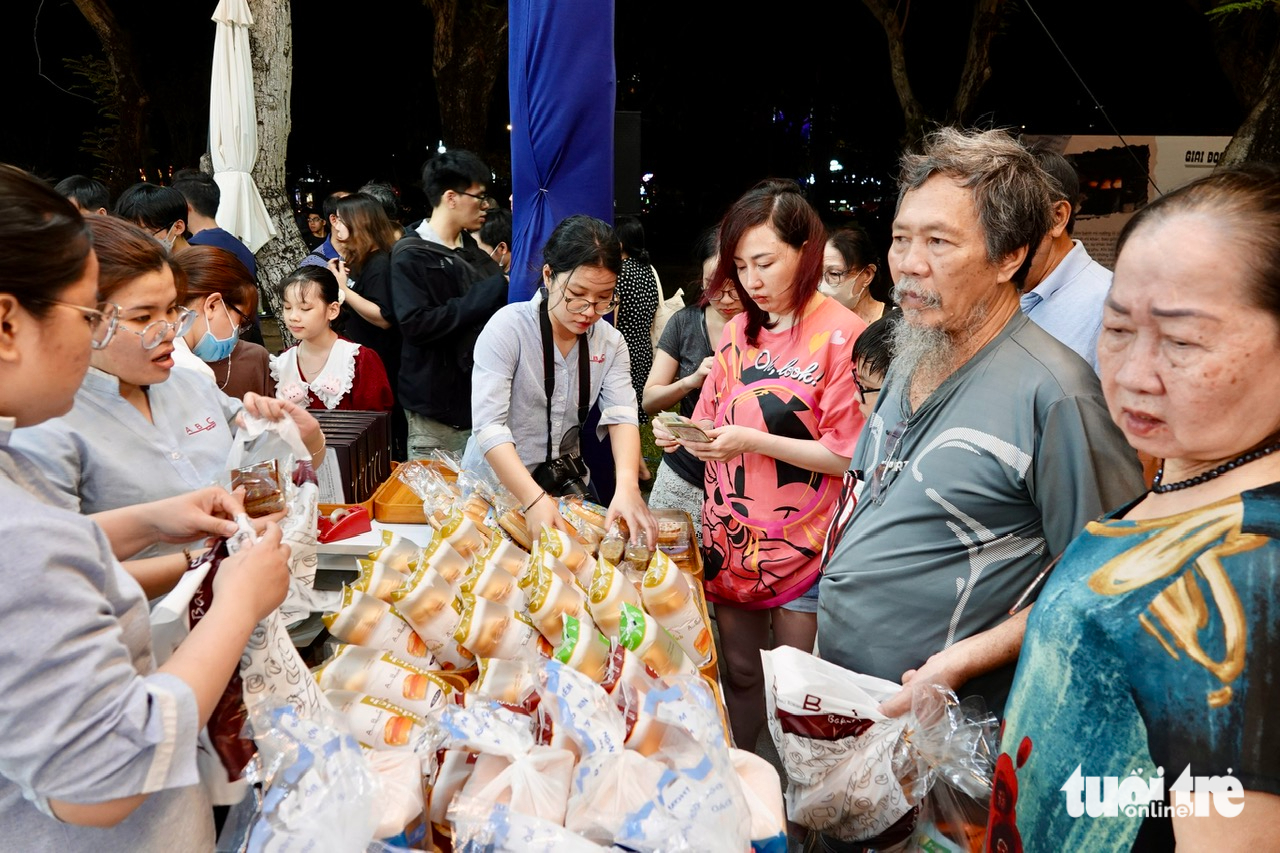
point(925, 465)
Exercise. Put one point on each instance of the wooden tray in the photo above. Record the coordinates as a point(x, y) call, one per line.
point(395, 503)
point(326, 509)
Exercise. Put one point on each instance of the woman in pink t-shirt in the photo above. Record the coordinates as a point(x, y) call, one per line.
point(780, 408)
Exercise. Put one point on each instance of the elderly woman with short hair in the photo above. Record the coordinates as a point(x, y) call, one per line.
point(1156, 641)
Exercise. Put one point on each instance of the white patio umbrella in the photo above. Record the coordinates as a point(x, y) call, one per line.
point(233, 127)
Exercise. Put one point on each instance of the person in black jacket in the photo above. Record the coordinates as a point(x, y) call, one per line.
point(443, 296)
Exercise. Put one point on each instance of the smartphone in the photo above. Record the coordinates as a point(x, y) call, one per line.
point(681, 428)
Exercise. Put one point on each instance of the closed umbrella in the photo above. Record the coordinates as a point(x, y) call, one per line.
point(233, 127)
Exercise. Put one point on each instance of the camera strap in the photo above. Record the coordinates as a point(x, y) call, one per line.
point(549, 371)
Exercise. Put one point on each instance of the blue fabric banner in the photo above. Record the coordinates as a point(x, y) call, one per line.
point(562, 81)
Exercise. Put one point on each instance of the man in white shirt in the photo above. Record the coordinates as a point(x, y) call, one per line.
point(1065, 287)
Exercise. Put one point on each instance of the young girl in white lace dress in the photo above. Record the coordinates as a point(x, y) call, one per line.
point(325, 370)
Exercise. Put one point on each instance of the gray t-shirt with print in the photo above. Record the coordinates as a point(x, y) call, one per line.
point(966, 500)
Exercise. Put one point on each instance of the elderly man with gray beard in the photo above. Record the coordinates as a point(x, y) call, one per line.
point(988, 450)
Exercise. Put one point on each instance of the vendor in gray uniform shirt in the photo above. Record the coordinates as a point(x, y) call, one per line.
point(989, 448)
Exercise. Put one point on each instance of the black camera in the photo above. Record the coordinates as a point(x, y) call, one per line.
point(562, 475)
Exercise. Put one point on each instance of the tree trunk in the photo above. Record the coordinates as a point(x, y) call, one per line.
point(974, 75)
point(1258, 137)
point(913, 112)
point(1247, 45)
point(271, 44)
point(469, 52)
point(132, 105)
point(977, 61)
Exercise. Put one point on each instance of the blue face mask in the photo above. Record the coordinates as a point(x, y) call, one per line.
point(209, 348)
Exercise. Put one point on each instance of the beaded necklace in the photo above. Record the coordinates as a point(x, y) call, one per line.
point(1159, 488)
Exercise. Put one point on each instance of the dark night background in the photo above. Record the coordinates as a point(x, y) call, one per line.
point(727, 95)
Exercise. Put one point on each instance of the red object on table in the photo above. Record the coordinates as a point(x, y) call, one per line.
point(355, 522)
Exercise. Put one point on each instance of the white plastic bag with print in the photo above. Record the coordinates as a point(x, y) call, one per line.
point(480, 826)
point(855, 774)
point(319, 793)
point(836, 747)
point(699, 804)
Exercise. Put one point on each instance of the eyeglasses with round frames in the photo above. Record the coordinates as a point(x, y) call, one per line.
point(103, 320)
point(580, 304)
point(156, 331)
point(728, 293)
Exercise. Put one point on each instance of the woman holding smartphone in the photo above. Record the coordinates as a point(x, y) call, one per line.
point(780, 410)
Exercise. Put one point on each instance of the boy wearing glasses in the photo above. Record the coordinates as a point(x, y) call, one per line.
point(442, 299)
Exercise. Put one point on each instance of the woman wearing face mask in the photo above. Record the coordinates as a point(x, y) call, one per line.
point(100, 746)
point(224, 298)
point(680, 366)
point(521, 432)
point(140, 430)
point(851, 273)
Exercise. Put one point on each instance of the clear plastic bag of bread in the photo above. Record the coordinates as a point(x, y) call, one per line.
point(497, 828)
point(445, 460)
point(477, 498)
point(319, 792)
point(438, 493)
point(263, 487)
point(510, 520)
point(699, 804)
point(862, 777)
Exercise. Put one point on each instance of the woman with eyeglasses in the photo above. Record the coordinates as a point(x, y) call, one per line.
point(141, 430)
point(780, 410)
point(223, 297)
point(99, 750)
point(680, 366)
point(852, 273)
point(528, 437)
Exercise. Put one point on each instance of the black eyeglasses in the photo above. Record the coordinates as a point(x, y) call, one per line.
point(485, 201)
point(889, 466)
point(864, 390)
point(246, 322)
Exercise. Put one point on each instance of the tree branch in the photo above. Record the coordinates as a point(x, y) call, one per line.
point(977, 61)
point(913, 113)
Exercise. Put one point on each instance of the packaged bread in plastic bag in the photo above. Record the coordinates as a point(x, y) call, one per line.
point(669, 597)
point(609, 590)
point(444, 559)
point(506, 555)
point(376, 723)
point(377, 579)
point(384, 676)
point(489, 629)
point(466, 537)
point(363, 620)
point(550, 598)
point(487, 580)
point(641, 633)
point(397, 552)
point(586, 651)
point(510, 682)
